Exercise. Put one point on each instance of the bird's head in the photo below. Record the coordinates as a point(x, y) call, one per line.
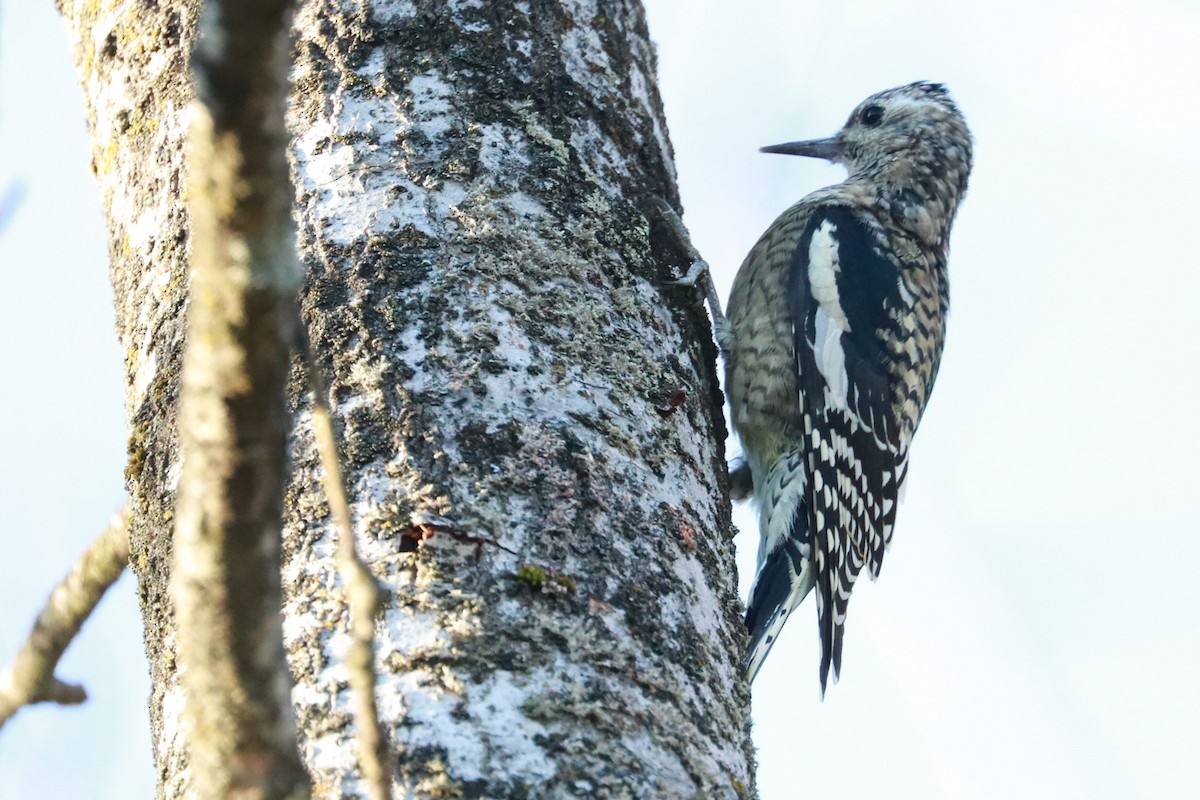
point(909, 139)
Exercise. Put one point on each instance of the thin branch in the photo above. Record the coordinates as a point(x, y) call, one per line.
point(362, 593)
point(233, 415)
point(30, 678)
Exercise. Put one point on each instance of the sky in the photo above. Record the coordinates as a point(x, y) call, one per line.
point(1034, 631)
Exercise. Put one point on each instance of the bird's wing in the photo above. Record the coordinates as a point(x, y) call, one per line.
point(843, 291)
point(759, 369)
point(765, 409)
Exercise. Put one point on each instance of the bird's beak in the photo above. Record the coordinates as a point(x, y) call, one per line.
point(828, 149)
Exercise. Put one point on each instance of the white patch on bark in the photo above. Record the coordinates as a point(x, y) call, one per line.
point(484, 732)
point(689, 571)
point(367, 186)
point(641, 92)
point(431, 104)
point(390, 11)
point(145, 370)
point(332, 756)
point(171, 739)
point(499, 150)
point(583, 51)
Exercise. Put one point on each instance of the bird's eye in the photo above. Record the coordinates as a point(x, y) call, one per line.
point(872, 116)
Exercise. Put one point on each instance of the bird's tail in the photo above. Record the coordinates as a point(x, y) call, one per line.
point(784, 579)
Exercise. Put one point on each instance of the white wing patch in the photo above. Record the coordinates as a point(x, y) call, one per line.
point(830, 320)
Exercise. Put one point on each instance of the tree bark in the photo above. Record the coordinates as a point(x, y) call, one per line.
point(531, 422)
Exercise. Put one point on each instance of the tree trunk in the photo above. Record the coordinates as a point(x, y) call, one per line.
point(531, 422)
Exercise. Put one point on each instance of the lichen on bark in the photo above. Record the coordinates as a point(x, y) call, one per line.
point(131, 60)
point(514, 384)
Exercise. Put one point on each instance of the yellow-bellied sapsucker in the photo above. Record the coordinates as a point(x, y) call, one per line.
point(834, 333)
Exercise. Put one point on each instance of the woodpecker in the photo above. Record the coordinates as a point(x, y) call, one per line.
point(832, 343)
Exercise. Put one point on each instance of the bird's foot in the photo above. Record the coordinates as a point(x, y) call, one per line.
point(698, 273)
point(741, 481)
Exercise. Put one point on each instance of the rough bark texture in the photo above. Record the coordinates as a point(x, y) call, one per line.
point(132, 63)
point(531, 421)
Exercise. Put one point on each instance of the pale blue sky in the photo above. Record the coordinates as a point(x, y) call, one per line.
point(1034, 631)
point(62, 436)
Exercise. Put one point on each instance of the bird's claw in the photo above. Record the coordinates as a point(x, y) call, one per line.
point(698, 273)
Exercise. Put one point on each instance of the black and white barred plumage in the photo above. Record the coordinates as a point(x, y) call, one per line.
point(834, 334)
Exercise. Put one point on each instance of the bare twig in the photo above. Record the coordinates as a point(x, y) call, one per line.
point(30, 678)
point(362, 593)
